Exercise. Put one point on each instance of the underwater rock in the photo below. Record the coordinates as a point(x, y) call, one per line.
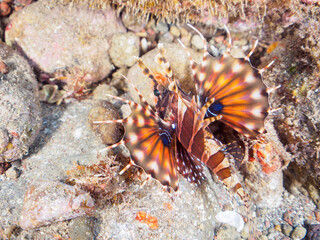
point(20, 113)
point(265, 190)
point(263, 171)
point(132, 23)
point(297, 122)
point(124, 49)
point(197, 42)
point(232, 218)
point(109, 133)
point(81, 229)
point(179, 61)
point(299, 233)
point(53, 201)
point(227, 232)
point(12, 173)
point(59, 38)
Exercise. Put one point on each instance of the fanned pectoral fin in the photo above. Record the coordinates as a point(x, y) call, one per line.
point(150, 149)
point(239, 94)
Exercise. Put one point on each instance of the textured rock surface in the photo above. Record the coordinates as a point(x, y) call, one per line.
point(53, 201)
point(82, 229)
point(20, 112)
point(297, 122)
point(64, 141)
point(108, 133)
point(191, 213)
point(124, 49)
point(75, 40)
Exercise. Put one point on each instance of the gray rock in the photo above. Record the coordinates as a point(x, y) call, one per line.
point(12, 173)
point(109, 133)
point(226, 232)
point(77, 38)
point(162, 27)
point(20, 112)
point(174, 30)
point(81, 229)
point(286, 229)
point(124, 49)
point(132, 22)
point(166, 38)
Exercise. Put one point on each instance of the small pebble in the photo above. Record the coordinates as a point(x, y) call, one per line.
point(175, 31)
point(144, 44)
point(131, 22)
point(273, 235)
point(227, 232)
point(219, 39)
point(12, 173)
point(278, 228)
point(197, 42)
point(109, 133)
point(242, 42)
point(286, 229)
point(166, 38)
point(299, 233)
point(237, 53)
point(3, 68)
point(162, 27)
point(271, 230)
point(184, 32)
point(186, 40)
point(214, 51)
point(245, 233)
point(124, 49)
point(50, 93)
point(100, 92)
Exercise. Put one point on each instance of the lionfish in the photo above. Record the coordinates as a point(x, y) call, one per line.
point(173, 137)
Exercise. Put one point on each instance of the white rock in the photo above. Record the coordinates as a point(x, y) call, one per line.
point(232, 218)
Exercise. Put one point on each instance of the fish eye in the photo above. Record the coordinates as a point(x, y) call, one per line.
point(166, 138)
point(156, 92)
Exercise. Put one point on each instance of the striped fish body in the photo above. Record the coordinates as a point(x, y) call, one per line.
point(188, 131)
